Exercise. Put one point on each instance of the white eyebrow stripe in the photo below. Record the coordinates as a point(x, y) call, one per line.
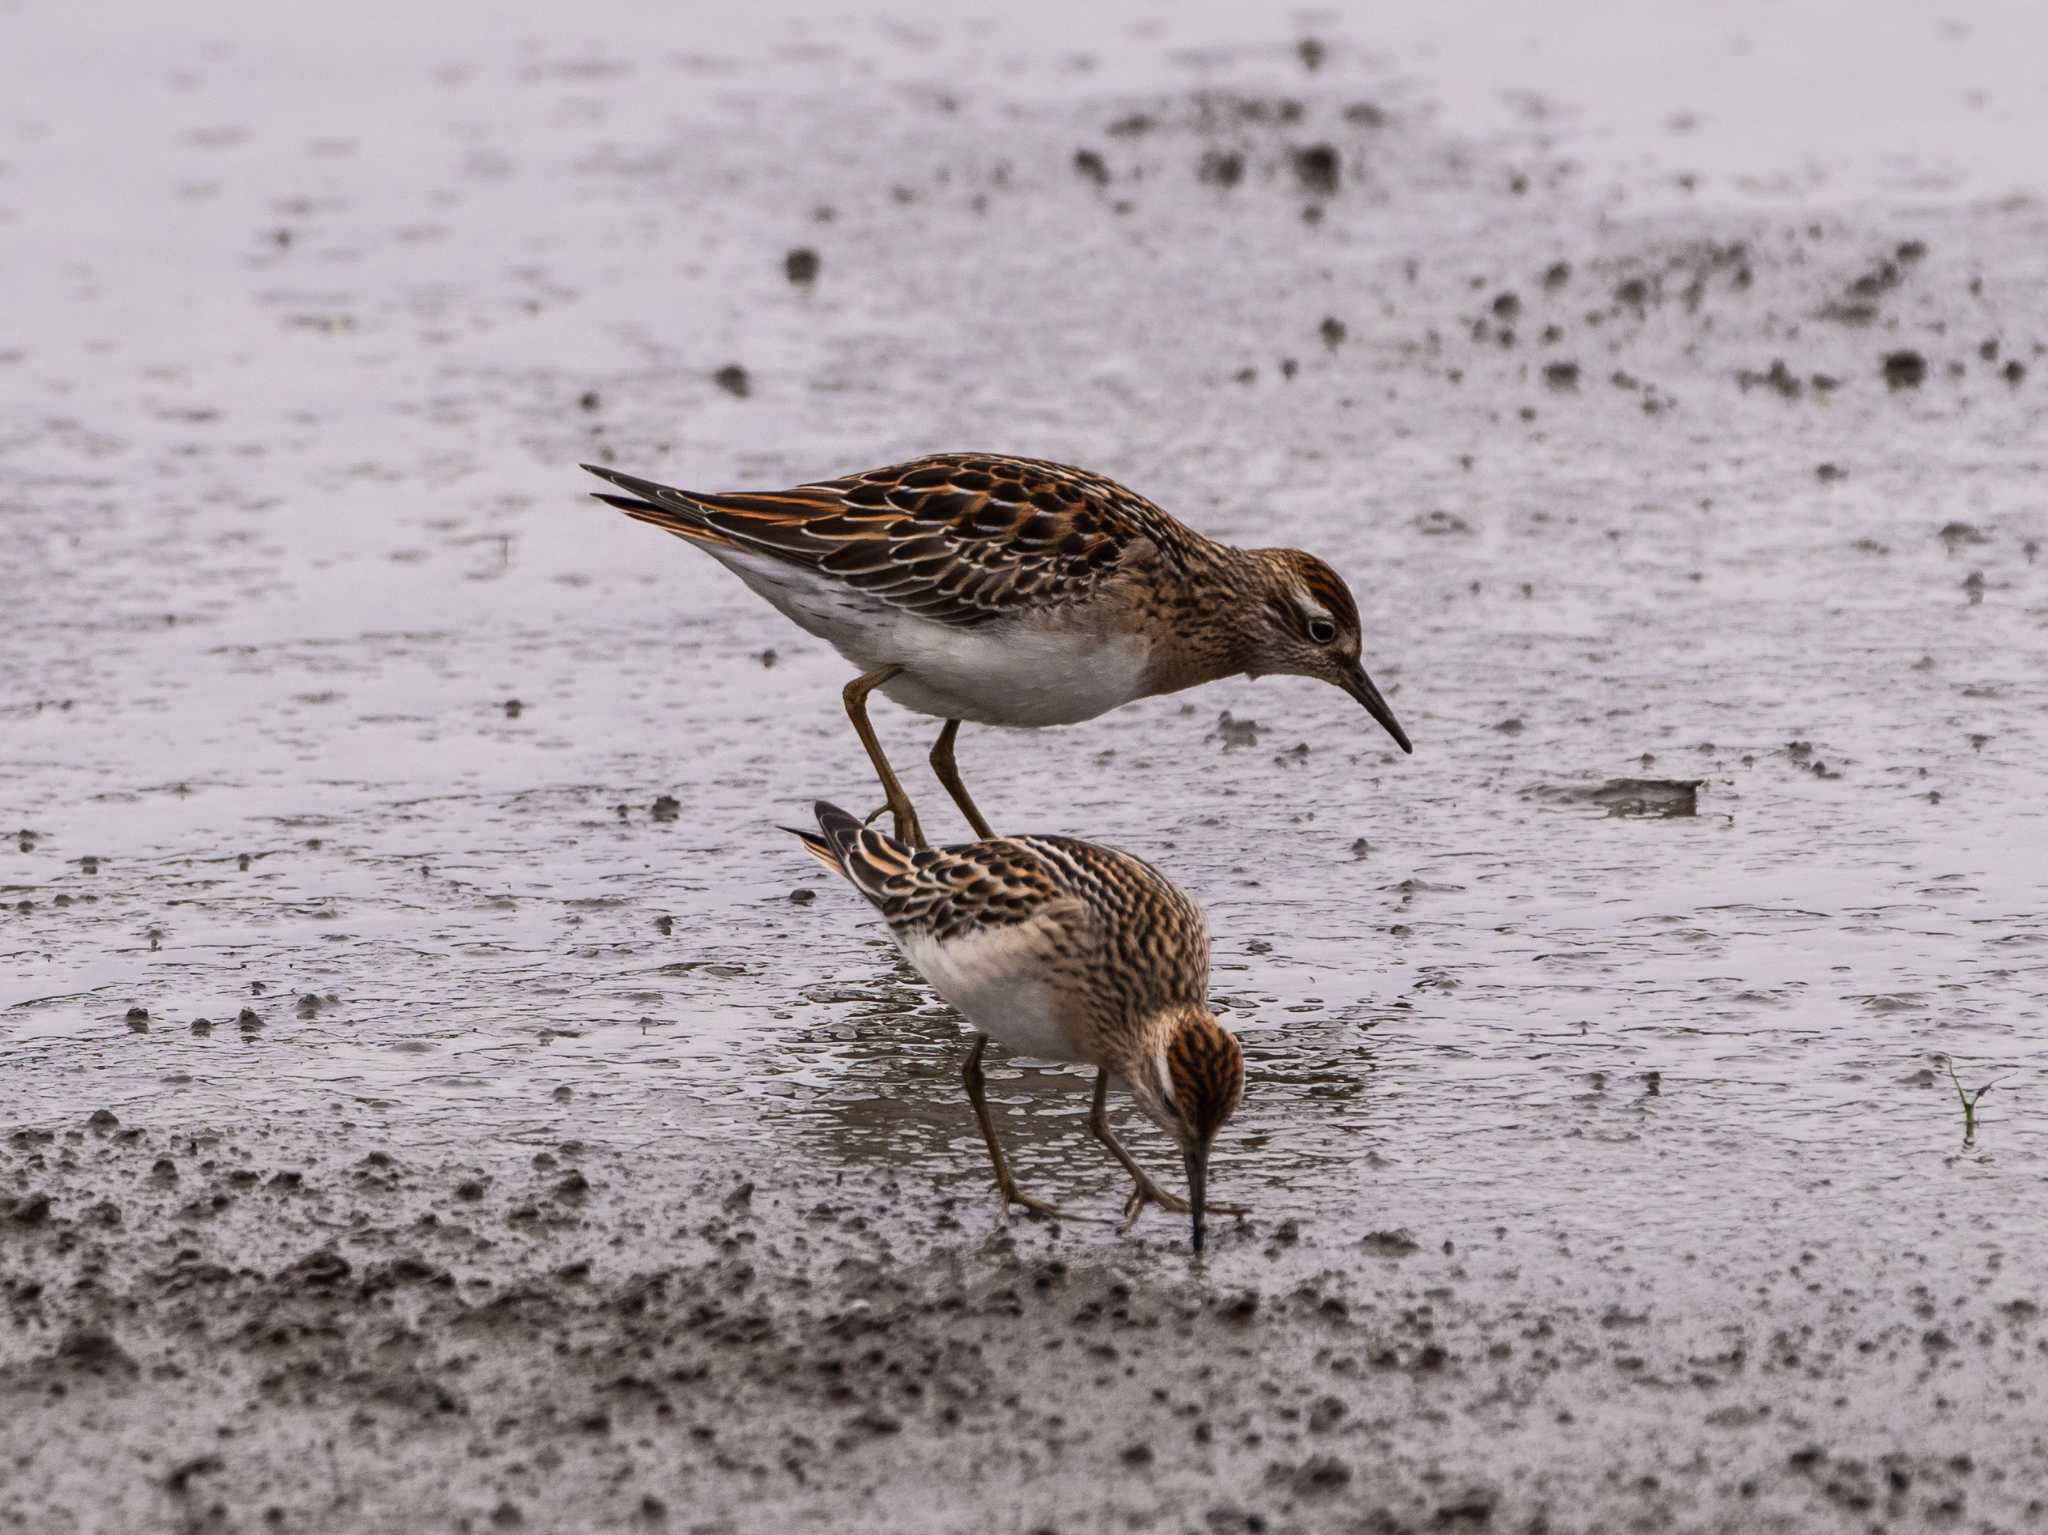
point(1310, 608)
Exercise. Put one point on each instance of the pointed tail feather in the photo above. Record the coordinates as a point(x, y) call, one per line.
point(864, 856)
point(818, 848)
point(661, 506)
point(838, 834)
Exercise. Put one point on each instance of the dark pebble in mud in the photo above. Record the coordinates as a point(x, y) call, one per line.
point(1311, 51)
point(1556, 275)
point(2015, 371)
point(103, 1120)
point(28, 1210)
point(1389, 1244)
point(513, 708)
point(1091, 166)
point(138, 1019)
point(1904, 370)
point(734, 380)
point(1318, 168)
point(202, 1026)
point(1221, 168)
point(1321, 1477)
point(588, 400)
point(1333, 331)
point(803, 895)
point(1561, 375)
point(666, 808)
point(178, 1480)
point(88, 1348)
point(248, 1019)
point(800, 266)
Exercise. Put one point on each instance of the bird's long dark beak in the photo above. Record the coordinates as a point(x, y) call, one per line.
point(1197, 1159)
point(1360, 687)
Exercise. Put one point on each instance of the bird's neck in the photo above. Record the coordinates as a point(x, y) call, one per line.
point(1204, 637)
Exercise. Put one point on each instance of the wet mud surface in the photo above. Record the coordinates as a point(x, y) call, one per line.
point(436, 1095)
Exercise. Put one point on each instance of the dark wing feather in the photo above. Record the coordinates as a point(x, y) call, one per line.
point(960, 538)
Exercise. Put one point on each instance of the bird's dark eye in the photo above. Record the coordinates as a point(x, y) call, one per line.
point(1321, 630)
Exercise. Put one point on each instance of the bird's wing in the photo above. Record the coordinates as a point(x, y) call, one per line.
point(958, 538)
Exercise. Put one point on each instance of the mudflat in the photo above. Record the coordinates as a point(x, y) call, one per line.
point(435, 1095)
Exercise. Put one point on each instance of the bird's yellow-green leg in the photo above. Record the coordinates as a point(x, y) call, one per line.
point(949, 775)
point(1147, 1192)
point(856, 695)
point(1012, 1195)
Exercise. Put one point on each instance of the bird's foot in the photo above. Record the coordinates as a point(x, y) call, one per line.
point(1012, 1195)
point(1146, 1192)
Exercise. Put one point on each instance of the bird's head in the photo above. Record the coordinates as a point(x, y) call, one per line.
point(1305, 624)
point(1188, 1079)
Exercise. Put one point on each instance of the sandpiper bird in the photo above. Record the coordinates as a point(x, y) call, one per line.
point(1067, 951)
point(1009, 591)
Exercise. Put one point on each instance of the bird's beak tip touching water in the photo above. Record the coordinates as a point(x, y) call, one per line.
point(1197, 1158)
point(1360, 687)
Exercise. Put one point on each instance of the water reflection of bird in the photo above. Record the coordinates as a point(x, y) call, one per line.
point(1067, 951)
point(1009, 591)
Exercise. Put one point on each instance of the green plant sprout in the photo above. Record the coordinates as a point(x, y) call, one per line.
point(1969, 1101)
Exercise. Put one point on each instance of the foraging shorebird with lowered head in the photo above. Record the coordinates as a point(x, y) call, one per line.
point(1010, 591)
point(1067, 951)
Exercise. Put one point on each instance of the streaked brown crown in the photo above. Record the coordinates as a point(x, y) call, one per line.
point(1206, 1065)
point(1323, 585)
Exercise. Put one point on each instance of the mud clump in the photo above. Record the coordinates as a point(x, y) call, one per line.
point(1221, 168)
point(800, 266)
point(1646, 798)
point(1904, 370)
point(1778, 378)
point(734, 380)
point(1318, 168)
point(1090, 166)
point(94, 1351)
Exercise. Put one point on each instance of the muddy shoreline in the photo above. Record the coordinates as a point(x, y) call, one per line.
point(222, 1331)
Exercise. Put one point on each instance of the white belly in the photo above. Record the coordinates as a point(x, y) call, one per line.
point(998, 674)
point(985, 978)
